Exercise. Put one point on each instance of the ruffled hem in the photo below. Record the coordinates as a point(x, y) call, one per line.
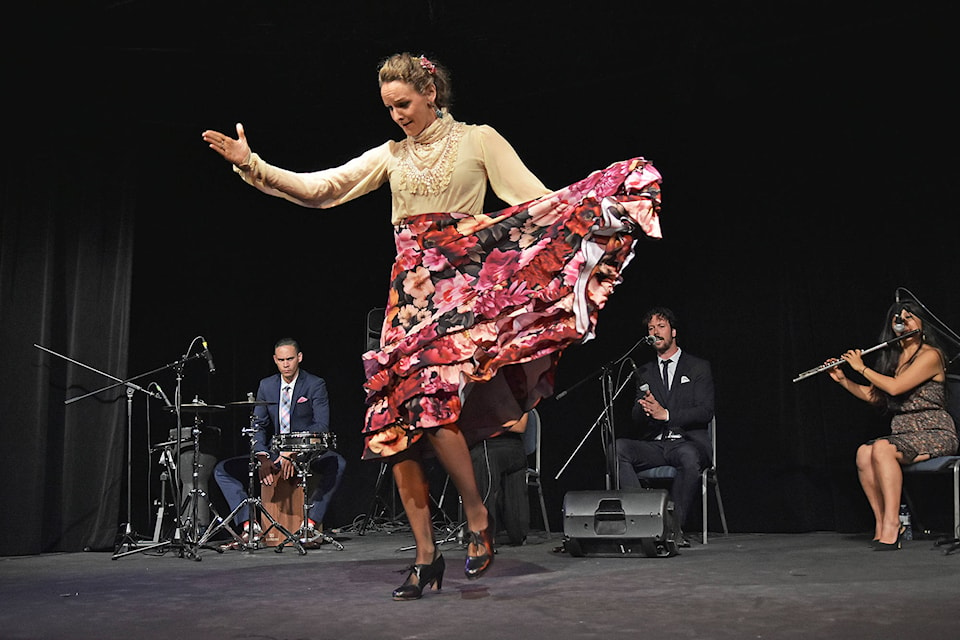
point(472, 295)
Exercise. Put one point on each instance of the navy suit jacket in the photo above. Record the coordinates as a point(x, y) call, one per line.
point(690, 402)
point(309, 409)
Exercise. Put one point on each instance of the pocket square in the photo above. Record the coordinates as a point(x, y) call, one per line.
point(684, 379)
point(302, 399)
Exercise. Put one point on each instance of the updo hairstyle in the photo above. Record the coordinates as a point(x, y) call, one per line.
point(419, 72)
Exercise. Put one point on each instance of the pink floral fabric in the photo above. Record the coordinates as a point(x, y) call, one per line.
point(472, 295)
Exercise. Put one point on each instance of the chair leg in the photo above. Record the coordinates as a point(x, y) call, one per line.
point(543, 511)
point(723, 517)
point(703, 501)
point(956, 500)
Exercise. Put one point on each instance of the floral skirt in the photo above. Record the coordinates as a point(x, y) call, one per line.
point(480, 306)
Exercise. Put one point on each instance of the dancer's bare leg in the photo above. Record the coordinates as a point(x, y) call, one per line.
point(451, 449)
point(414, 493)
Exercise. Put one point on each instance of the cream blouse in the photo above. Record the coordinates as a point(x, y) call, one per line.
point(444, 169)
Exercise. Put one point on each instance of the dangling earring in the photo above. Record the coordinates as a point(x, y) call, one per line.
point(437, 111)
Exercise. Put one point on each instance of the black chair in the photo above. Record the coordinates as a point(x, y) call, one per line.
point(708, 476)
point(531, 442)
point(943, 464)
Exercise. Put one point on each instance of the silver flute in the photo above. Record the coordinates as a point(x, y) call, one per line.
point(831, 365)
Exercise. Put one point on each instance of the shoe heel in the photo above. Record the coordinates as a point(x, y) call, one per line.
point(428, 576)
point(475, 566)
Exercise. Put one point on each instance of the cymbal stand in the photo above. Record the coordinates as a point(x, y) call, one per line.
point(128, 539)
point(188, 546)
point(254, 505)
point(302, 464)
point(192, 533)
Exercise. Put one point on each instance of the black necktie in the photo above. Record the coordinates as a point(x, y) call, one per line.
point(666, 376)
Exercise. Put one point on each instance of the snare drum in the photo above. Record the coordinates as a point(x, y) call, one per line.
point(305, 441)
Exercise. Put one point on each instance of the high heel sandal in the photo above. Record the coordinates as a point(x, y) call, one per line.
point(476, 565)
point(421, 576)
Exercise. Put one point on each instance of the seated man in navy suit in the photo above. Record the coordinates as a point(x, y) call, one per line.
point(298, 403)
point(670, 419)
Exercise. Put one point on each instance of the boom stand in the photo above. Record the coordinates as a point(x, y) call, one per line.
point(605, 419)
point(607, 431)
point(187, 545)
point(128, 539)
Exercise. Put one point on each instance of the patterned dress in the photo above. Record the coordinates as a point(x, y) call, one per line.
point(922, 425)
point(471, 296)
point(475, 297)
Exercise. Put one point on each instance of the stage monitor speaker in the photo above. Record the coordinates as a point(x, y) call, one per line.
point(632, 522)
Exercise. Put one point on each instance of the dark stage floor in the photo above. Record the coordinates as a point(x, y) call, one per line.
point(817, 585)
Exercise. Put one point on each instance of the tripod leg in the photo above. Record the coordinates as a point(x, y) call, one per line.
point(224, 523)
point(305, 528)
point(373, 502)
point(293, 538)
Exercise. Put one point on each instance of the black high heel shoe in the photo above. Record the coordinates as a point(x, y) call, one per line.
point(421, 576)
point(476, 565)
point(889, 546)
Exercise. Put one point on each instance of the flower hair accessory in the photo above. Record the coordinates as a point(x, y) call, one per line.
point(427, 65)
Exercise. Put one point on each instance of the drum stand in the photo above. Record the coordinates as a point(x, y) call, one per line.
point(255, 508)
point(302, 463)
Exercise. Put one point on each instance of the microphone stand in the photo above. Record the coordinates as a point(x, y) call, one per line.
point(607, 433)
point(128, 539)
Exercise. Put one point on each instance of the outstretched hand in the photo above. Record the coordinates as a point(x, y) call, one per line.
point(233, 151)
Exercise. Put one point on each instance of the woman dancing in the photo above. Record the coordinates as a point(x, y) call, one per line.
point(480, 305)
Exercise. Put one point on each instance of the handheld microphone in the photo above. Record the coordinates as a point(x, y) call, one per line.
point(642, 387)
point(206, 352)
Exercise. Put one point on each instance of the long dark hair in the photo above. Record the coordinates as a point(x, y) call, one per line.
point(889, 358)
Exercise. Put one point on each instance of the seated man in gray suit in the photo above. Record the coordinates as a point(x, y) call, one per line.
point(670, 419)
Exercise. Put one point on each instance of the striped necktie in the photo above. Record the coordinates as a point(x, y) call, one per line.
point(285, 410)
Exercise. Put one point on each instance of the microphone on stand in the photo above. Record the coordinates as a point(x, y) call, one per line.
point(206, 352)
point(163, 395)
point(898, 325)
point(651, 339)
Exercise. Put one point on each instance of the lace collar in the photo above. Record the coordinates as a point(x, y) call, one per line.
point(426, 161)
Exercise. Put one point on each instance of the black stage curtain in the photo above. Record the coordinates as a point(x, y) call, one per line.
point(65, 279)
